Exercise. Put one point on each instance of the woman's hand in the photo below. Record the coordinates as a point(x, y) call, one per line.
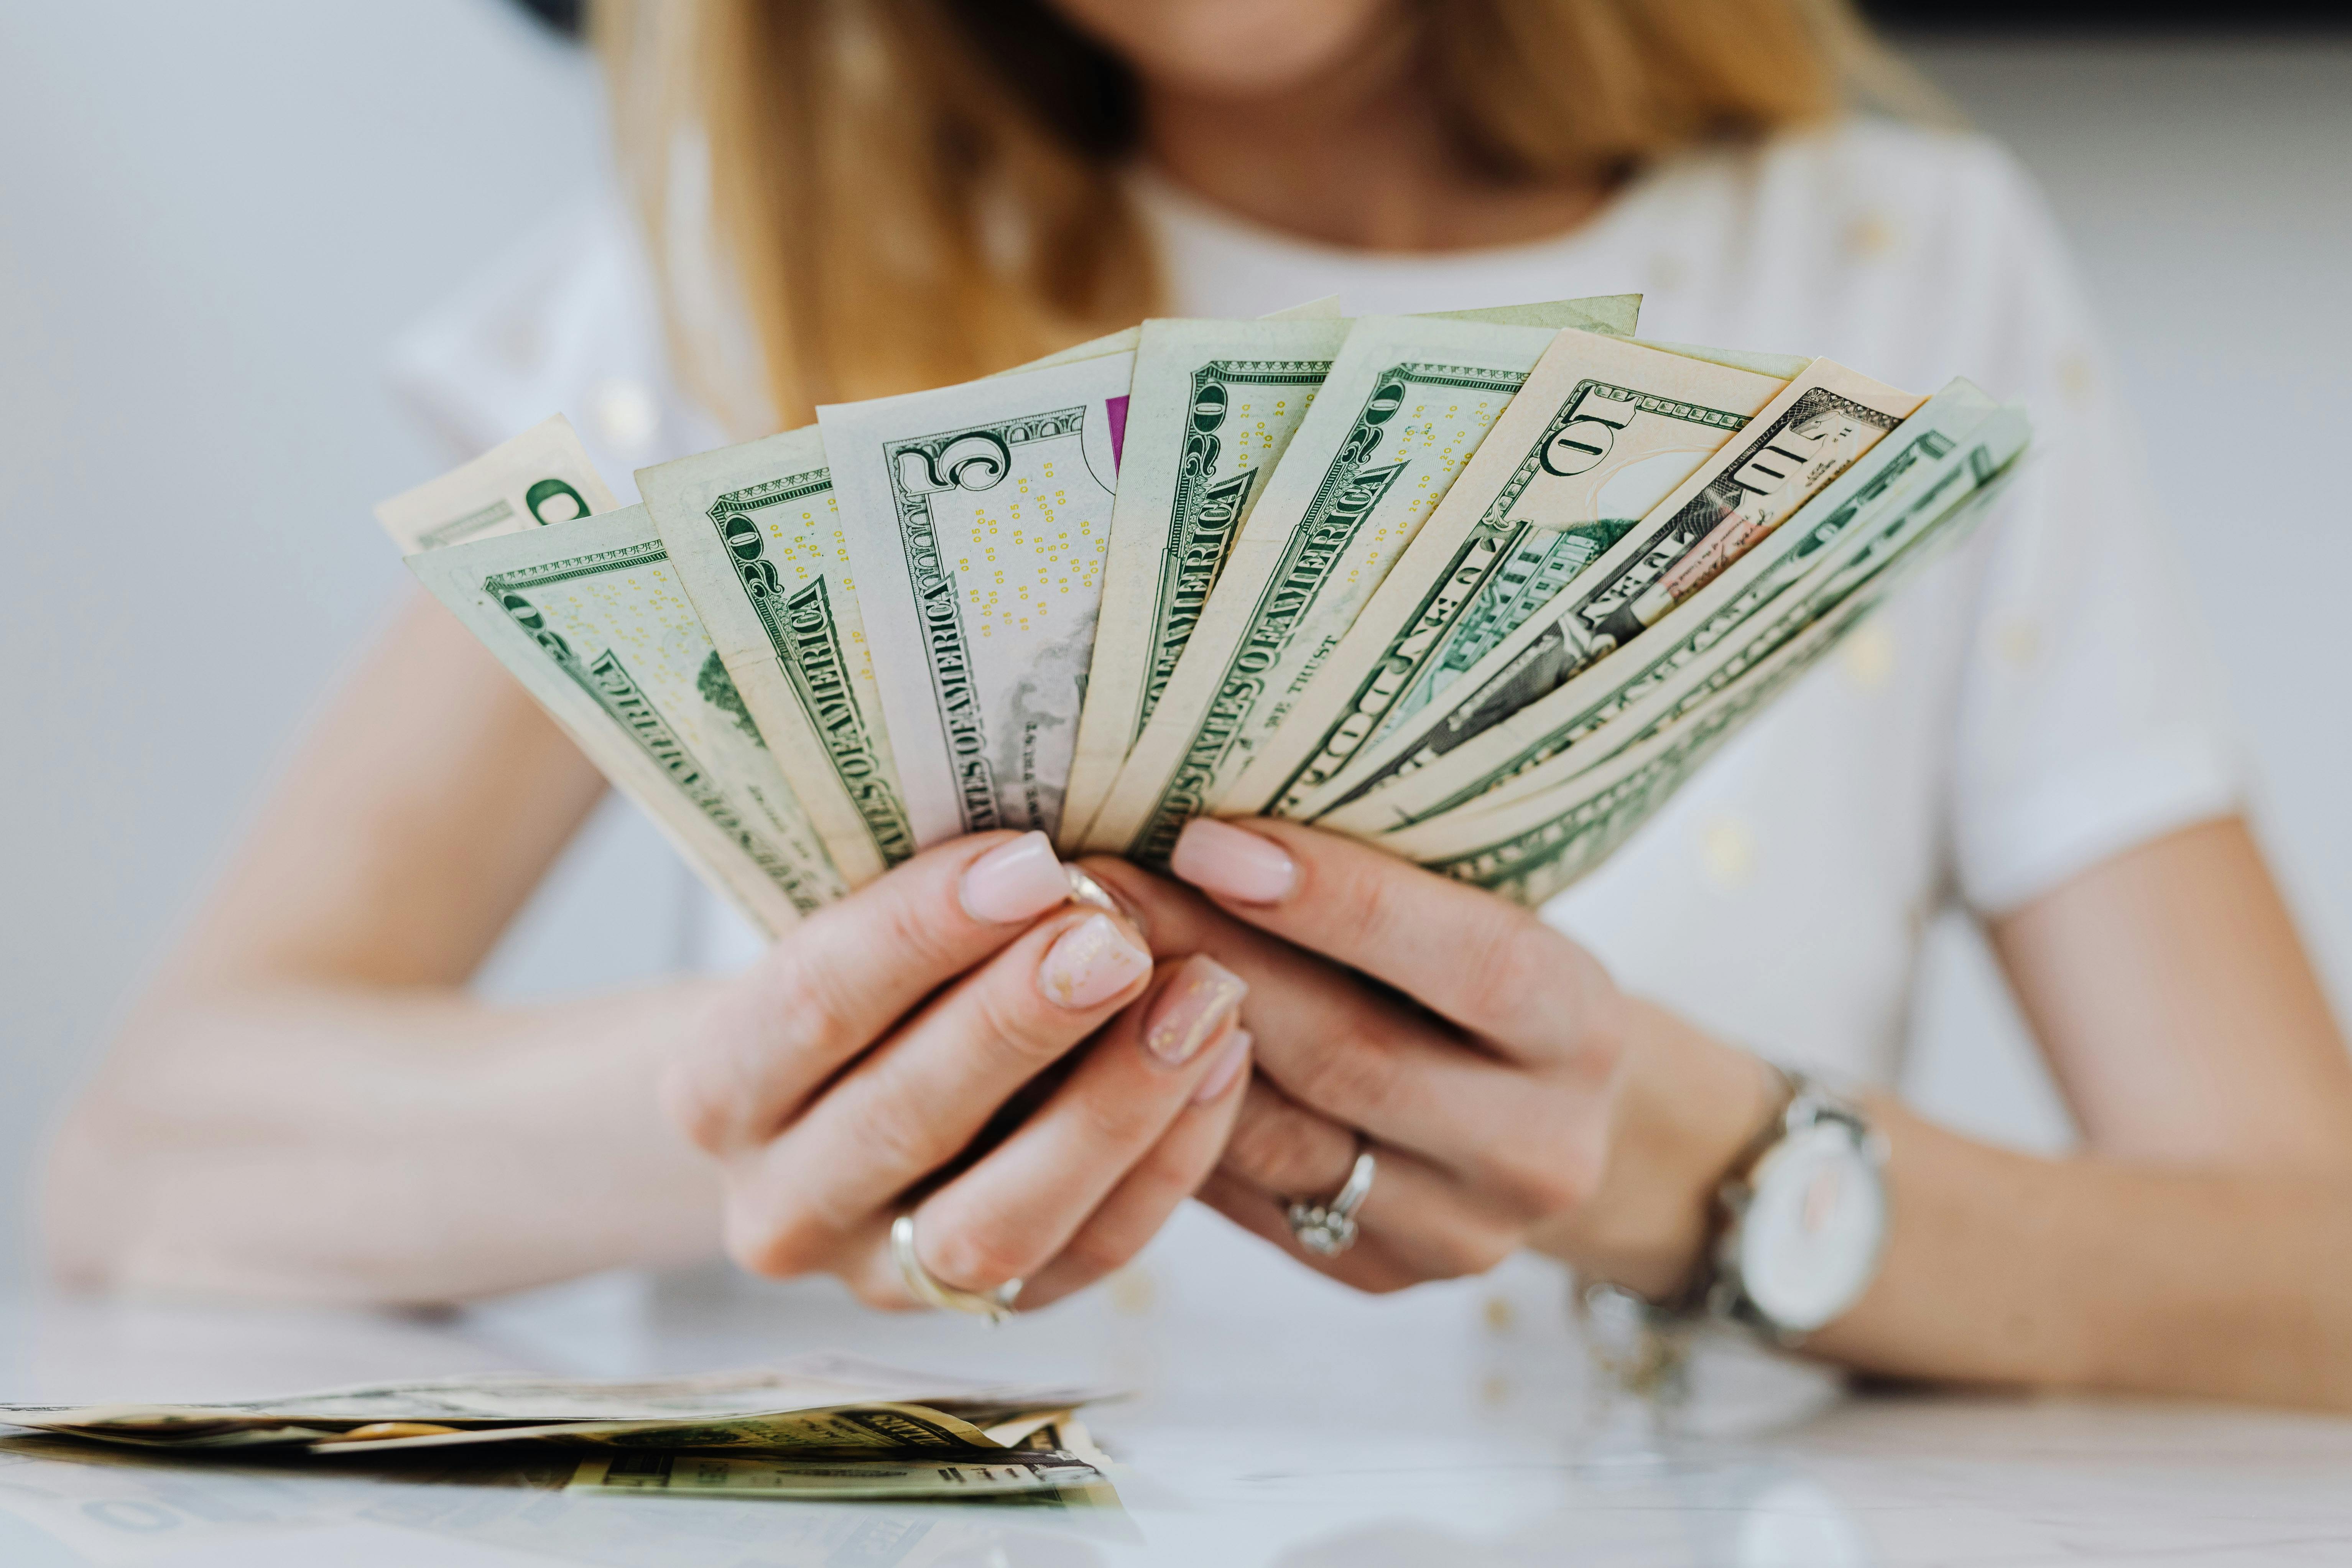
point(1512, 1094)
point(878, 1038)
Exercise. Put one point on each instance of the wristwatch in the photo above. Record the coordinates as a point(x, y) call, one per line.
point(1803, 1218)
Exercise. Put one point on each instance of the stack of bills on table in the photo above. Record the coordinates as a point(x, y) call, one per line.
point(1483, 589)
point(819, 1426)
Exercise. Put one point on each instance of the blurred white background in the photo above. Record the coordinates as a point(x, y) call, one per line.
point(214, 218)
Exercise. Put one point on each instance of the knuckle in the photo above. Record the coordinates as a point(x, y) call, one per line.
point(1545, 1182)
point(1266, 1146)
point(873, 1289)
point(889, 1138)
point(870, 1293)
point(1356, 1076)
point(1600, 1050)
point(1100, 1250)
point(1115, 1122)
point(910, 929)
point(687, 1099)
point(1447, 1258)
point(1584, 1166)
point(772, 1245)
point(1476, 1250)
point(1012, 1017)
point(980, 1257)
point(800, 1004)
point(1516, 977)
point(1374, 902)
point(725, 1072)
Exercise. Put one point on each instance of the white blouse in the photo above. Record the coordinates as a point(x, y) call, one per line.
point(2030, 705)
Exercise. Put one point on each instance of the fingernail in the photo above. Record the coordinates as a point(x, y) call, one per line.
point(1192, 1006)
point(1232, 862)
point(1015, 881)
point(1232, 1060)
point(1090, 964)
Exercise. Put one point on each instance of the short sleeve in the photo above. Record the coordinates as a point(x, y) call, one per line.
point(566, 322)
point(2091, 713)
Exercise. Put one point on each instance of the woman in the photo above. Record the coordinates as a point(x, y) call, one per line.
point(901, 194)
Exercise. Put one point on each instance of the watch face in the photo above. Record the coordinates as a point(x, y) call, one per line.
point(1809, 1241)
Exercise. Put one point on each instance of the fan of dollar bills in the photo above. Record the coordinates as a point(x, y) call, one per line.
point(1482, 588)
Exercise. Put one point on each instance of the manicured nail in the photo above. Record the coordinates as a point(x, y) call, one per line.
point(1232, 862)
point(1090, 964)
point(1232, 1060)
point(1193, 1005)
point(1015, 881)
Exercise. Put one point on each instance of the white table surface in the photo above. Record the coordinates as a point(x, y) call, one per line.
point(1269, 1443)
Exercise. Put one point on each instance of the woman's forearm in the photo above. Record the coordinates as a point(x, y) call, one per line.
point(2234, 1281)
point(377, 1146)
point(2012, 1269)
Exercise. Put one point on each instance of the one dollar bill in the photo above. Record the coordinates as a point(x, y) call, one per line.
point(539, 478)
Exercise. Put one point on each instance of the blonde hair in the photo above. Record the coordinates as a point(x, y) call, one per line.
point(898, 194)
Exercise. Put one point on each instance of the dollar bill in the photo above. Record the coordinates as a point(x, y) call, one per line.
point(593, 620)
point(978, 518)
point(708, 1475)
point(1405, 405)
point(1535, 844)
point(824, 1384)
point(1601, 433)
point(542, 476)
point(1774, 367)
point(758, 541)
point(897, 1428)
point(1617, 315)
point(1839, 541)
point(1540, 845)
point(1215, 407)
point(1818, 426)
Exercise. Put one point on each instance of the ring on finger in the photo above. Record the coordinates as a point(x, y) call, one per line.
point(994, 1305)
point(1329, 1229)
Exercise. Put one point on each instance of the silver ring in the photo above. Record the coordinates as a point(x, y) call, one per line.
point(1085, 889)
point(994, 1305)
point(1330, 1229)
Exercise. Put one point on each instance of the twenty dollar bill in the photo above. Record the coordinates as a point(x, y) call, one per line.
point(591, 618)
point(1215, 407)
point(1404, 406)
point(758, 540)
